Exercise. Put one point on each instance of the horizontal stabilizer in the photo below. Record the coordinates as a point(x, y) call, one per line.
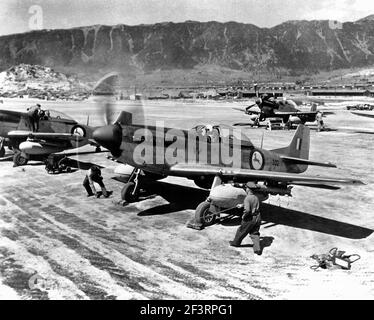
point(307, 162)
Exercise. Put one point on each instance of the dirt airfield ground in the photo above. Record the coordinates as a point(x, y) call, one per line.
point(85, 248)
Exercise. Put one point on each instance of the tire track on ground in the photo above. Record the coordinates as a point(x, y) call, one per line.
point(116, 272)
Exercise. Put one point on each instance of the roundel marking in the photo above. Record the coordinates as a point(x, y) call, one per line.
point(79, 131)
point(256, 160)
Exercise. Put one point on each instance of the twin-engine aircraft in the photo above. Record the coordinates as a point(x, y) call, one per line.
point(57, 132)
point(156, 152)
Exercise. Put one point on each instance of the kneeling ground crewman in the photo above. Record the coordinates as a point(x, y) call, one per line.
point(94, 175)
point(251, 220)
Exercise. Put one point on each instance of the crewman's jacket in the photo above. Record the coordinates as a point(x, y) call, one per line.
point(251, 206)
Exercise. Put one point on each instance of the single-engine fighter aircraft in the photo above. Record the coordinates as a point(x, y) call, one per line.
point(57, 132)
point(277, 169)
point(268, 107)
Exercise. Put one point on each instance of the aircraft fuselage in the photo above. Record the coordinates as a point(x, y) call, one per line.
point(151, 150)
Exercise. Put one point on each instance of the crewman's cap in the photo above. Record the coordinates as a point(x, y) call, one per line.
point(251, 185)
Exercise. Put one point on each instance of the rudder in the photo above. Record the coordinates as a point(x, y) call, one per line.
point(299, 146)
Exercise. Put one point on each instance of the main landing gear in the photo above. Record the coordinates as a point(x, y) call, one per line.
point(130, 191)
point(20, 159)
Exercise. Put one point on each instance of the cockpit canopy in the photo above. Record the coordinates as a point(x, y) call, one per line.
point(48, 114)
point(216, 133)
point(289, 103)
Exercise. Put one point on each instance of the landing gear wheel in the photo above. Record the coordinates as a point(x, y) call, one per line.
point(128, 194)
point(19, 159)
point(203, 215)
point(68, 169)
point(2, 152)
point(98, 149)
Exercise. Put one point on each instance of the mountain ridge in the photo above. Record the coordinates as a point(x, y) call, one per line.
point(293, 46)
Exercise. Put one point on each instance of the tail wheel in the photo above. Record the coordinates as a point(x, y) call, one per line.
point(128, 192)
point(203, 214)
point(19, 159)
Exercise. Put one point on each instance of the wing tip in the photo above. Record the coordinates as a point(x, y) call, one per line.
point(359, 182)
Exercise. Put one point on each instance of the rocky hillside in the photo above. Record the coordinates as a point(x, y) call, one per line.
point(293, 46)
point(40, 82)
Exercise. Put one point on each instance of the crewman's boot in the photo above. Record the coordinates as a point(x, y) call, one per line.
point(105, 193)
point(234, 244)
point(256, 244)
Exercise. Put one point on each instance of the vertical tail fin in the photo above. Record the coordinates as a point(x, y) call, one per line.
point(125, 118)
point(299, 146)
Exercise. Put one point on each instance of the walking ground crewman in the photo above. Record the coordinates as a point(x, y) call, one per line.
point(251, 220)
point(319, 119)
point(94, 175)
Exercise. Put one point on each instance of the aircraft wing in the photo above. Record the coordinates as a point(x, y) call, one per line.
point(368, 115)
point(301, 113)
point(248, 111)
point(295, 113)
point(239, 109)
point(45, 135)
point(188, 170)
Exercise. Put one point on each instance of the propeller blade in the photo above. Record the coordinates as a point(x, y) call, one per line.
point(104, 92)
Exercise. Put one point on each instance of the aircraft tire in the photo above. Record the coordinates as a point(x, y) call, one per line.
point(19, 159)
point(203, 215)
point(126, 192)
point(2, 152)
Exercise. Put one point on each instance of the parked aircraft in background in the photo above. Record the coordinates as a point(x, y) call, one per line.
point(57, 132)
point(268, 107)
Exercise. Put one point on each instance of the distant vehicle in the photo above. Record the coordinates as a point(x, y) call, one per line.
point(57, 132)
point(361, 107)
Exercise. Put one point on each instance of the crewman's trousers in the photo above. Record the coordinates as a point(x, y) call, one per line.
point(249, 226)
point(99, 181)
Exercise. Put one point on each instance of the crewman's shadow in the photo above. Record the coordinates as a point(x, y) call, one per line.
point(264, 243)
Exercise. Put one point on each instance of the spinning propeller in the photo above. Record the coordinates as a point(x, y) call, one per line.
point(104, 95)
point(110, 135)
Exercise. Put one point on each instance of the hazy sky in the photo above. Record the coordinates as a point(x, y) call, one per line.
point(23, 15)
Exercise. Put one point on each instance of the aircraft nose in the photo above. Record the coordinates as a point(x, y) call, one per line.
point(110, 137)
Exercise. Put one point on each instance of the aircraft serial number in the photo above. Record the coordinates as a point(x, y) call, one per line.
point(275, 163)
